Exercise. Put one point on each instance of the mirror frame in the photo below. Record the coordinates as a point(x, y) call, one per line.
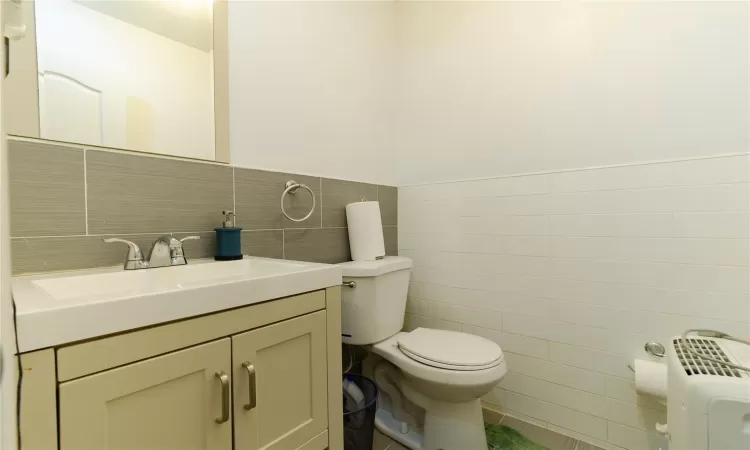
point(21, 96)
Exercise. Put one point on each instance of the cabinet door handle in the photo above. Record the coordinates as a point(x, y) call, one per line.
point(224, 379)
point(251, 385)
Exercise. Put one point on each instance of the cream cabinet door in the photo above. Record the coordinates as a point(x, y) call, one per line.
point(179, 401)
point(280, 386)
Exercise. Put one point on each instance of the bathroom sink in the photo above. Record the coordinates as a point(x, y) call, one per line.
point(104, 286)
point(53, 309)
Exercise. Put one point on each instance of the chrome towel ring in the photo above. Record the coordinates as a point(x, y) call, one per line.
point(291, 188)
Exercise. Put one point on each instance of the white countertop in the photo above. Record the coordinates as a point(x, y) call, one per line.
point(58, 308)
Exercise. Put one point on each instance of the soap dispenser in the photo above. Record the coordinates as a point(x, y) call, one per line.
point(228, 243)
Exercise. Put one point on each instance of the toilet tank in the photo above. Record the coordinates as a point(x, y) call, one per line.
point(374, 309)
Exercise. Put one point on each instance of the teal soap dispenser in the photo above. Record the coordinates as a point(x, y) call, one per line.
point(228, 239)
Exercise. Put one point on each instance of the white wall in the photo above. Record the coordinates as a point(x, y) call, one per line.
point(572, 271)
point(498, 88)
point(120, 60)
point(311, 86)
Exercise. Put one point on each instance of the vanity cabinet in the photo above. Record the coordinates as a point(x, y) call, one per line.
point(261, 377)
point(168, 402)
point(280, 384)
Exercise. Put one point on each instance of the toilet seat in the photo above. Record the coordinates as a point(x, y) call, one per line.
point(450, 350)
point(389, 349)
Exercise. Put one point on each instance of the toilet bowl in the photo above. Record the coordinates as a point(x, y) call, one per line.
point(444, 382)
point(438, 379)
point(431, 381)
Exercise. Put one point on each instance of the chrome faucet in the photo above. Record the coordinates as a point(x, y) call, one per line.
point(166, 251)
point(134, 259)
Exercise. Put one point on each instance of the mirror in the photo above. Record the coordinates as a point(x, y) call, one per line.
point(131, 74)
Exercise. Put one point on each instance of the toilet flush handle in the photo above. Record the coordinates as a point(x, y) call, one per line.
point(351, 284)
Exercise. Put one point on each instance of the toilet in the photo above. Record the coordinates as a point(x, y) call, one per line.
point(430, 380)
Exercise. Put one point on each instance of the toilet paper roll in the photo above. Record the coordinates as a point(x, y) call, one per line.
point(651, 378)
point(365, 231)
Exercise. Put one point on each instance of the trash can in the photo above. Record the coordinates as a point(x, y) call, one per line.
point(360, 405)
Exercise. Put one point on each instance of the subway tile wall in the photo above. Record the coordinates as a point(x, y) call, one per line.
point(572, 272)
point(66, 198)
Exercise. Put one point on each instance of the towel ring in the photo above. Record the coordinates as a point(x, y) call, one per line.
point(291, 188)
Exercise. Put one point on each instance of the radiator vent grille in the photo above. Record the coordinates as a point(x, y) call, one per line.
point(698, 366)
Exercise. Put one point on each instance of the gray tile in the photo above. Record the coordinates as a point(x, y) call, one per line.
point(143, 194)
point(31, 255)
point(258, 196)
point(586, 446)
point(47, 189)
point(324, 245)
point(492, 416)
point(265, 243)
point(337, 194)
point(194, 249)
point(388, 198)
point(542, 436)
point(380, 441)
point(390, 236)
point(47, 254)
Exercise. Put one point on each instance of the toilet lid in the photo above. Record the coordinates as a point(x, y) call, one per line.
point(451, 350)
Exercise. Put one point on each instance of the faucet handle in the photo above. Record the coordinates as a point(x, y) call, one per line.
point(134, 258)
point(176, 251)
point(134, 252)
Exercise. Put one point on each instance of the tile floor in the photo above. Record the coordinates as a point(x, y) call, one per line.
point(383, 442)
point(542, 436)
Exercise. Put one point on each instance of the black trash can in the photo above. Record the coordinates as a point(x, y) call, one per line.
point(360, 405)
